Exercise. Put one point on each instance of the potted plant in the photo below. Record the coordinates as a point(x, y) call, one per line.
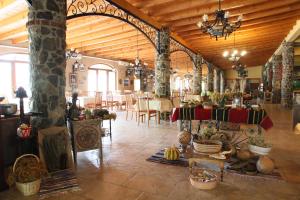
point(88, 114)
point(257, 143)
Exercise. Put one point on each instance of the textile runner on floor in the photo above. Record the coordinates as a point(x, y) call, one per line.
point(59, 182)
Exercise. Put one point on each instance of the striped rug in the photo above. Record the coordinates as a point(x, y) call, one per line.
point(59, 182)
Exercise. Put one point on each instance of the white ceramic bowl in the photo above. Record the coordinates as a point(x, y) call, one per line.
point(259, 150)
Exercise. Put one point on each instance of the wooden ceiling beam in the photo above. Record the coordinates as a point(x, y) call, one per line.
point(103, 33)
point(209, 10)
point(14, 33)
point(129, 49)
point(116, 47)
point(94, 42)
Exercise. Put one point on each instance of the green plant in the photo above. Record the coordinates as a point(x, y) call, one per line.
point(88, 112)
point(256, 138)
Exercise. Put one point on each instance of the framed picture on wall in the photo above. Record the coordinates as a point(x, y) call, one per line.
point(131, 82)
point(73, 79)
point(126, 82)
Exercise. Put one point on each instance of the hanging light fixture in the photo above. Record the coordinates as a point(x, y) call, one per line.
point(73, 53)
point(188, 75)
point(234, 55)
point(221, 27)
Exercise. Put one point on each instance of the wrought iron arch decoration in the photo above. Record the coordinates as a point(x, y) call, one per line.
point(81, 8)
point(176, 46)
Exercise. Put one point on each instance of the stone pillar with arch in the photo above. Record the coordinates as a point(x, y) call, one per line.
point(276, 79)
point(222, 81)
point(197, 75)
point(210, 78)
point(216, 80)
point(162, 63)
point(47, 43)
point(287, 74)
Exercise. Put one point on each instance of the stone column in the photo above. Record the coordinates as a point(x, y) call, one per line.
point(216, 80)
point(276, 80)
point(287, 74)
point(162, 64)
point(222, 82)
point(47, 43)
point(270, 76)
point(264, 75)
point(197, 78)
point(210, 78)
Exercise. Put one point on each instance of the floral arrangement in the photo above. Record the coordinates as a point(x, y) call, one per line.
point(256, 138)
point(207, 132)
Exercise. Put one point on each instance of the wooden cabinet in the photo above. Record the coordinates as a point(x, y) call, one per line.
point(9, 145)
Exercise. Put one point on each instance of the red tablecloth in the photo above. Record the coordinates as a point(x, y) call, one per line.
point(234, 115)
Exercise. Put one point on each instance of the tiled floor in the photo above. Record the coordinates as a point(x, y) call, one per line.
point(125, 175)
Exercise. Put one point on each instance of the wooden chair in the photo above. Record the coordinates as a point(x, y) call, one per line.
point(110, 103)
point(144, 110)
point(99, 103)
point(267, 96)
point(130, 107)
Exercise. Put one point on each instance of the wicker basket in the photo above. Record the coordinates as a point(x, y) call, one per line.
point(29, 188)
point(214, 146)
point(199, 183)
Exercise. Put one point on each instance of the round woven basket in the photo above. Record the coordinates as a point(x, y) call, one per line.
point(29, 188)
point(214, 146)
point(198, 181)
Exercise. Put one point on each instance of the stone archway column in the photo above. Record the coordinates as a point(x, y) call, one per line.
point(210, 78)
point(197, 78)
point(222, 82)
point(287, 74)
point(162, 64)
point(47, 42)
point(216, 80)
point(276, 80)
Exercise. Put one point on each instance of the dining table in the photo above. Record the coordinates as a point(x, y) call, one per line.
point(161, 105)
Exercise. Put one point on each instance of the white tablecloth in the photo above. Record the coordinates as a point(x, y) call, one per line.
point(161, 105)
point(192, 97)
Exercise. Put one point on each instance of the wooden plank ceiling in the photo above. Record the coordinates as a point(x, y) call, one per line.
point(265, 25)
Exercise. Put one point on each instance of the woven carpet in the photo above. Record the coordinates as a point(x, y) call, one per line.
point(59, 182)
point(159, 158)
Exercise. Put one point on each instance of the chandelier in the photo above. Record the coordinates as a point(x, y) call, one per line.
point(234, 55)
point(220, 27)
point(73, 53)
point(241, 69)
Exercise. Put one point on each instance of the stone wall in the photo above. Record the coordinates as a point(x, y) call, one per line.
point(216, 80)
point(47, 42)
point(162, 64)
point(197, 78)
point(210, 78)
point(276, 79)
point(287, 74)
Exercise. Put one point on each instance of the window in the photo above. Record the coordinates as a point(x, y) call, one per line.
point(178, 83)
point(6, 87)
point(101, 78)
point(14, 73)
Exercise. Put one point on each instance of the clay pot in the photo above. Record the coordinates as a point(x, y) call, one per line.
point(184, 137)
point(243, 154)
point(265, 165)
